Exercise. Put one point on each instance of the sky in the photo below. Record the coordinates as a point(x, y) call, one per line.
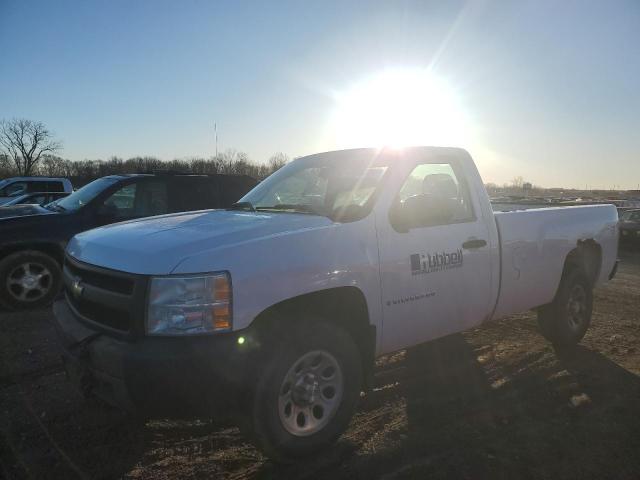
point(546, 90)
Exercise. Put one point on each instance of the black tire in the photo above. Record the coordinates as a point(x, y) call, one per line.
point(565, 320)
point(270, 432)
point(43, 274)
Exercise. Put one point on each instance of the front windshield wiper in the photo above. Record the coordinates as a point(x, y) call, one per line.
point(242, 206)
point(291, 207)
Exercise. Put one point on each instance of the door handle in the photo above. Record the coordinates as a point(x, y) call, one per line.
point(474, 243)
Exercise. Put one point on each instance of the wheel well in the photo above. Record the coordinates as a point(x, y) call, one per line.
point(587, 255)
point(345, 307)
point(51, 249)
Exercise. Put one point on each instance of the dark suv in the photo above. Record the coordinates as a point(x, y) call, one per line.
point(33, 238)
point(630, 225)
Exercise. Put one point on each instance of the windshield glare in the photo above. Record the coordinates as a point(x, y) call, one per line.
point(322, 187)
point(81, 197)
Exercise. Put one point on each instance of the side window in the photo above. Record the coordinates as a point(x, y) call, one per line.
point(433, 194)
point(195, 193)
point(138, 200)
point(151, 199)
point(120, 204)
point(35, 187)
point(54, 187)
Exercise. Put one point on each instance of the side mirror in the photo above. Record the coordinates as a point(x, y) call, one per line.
point(421, 211)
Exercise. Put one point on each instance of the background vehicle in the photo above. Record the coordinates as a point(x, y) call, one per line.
point(33, 238)
point(37, 198)
point(278, 307)
point(630, 225)
point(15, 186)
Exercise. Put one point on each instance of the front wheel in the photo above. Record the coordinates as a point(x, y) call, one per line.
point(307, 392)
point(28, 279)
point(565, 320)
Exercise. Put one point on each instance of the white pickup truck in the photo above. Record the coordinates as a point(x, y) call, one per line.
point(277, 307)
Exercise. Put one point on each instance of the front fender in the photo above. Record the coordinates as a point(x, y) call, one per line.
point(271, 270)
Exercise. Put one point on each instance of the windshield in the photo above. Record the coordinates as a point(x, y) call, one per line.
point(81, 197)
point(336, 189)
point(17, 200)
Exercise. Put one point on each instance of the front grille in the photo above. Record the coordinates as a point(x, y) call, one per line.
point(102, 314)
point(108, 282)
point(110, 299)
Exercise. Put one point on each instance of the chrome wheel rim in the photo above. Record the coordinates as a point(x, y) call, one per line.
point(577, 307)
point(310, 393)
point(29, 282)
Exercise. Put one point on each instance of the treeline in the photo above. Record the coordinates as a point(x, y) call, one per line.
point(83, 171)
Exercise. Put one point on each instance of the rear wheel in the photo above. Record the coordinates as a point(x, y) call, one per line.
point(565, 321)
point(28, 279)
point(307, 392)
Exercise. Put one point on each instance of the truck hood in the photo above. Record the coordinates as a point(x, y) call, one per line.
point(23, 211)
point(155, 246)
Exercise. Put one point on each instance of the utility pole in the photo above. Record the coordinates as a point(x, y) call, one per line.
point(215, 134)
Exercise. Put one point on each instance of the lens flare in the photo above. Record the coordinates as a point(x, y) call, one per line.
point(399, 108)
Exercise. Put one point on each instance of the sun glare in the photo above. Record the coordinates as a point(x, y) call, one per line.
point(399, 108)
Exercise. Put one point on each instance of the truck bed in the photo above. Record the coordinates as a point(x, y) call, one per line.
point(535, 243)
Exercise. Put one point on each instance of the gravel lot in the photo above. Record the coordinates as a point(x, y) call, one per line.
point(496, 402)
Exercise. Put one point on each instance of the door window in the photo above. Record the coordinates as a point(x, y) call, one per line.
point(433, 194)
point(193, 193)
point(36, 187)
point(138, 200)
point(120, 204)
point(54, 187)
point(151, 199)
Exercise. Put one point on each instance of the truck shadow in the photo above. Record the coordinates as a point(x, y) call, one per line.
point(447, 410)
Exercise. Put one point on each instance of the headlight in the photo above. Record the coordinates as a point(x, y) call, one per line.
point(191, 305)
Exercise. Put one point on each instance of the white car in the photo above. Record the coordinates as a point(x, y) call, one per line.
point(11, 188)
point(278, 307)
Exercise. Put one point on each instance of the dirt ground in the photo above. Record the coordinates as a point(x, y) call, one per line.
point(496, 402)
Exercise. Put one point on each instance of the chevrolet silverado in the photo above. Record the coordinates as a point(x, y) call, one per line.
point(278, 306)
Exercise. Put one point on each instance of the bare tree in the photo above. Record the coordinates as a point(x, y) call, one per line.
point(53, 166)
point(5, 166)
point(25, 141)
point(277, 161)
point(517, 182)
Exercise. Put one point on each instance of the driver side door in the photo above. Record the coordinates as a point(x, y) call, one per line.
point(435, 274)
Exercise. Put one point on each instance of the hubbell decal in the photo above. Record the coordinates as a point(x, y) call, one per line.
point(436, 262)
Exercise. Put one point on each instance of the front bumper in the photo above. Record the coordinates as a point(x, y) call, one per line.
point(158, 376)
